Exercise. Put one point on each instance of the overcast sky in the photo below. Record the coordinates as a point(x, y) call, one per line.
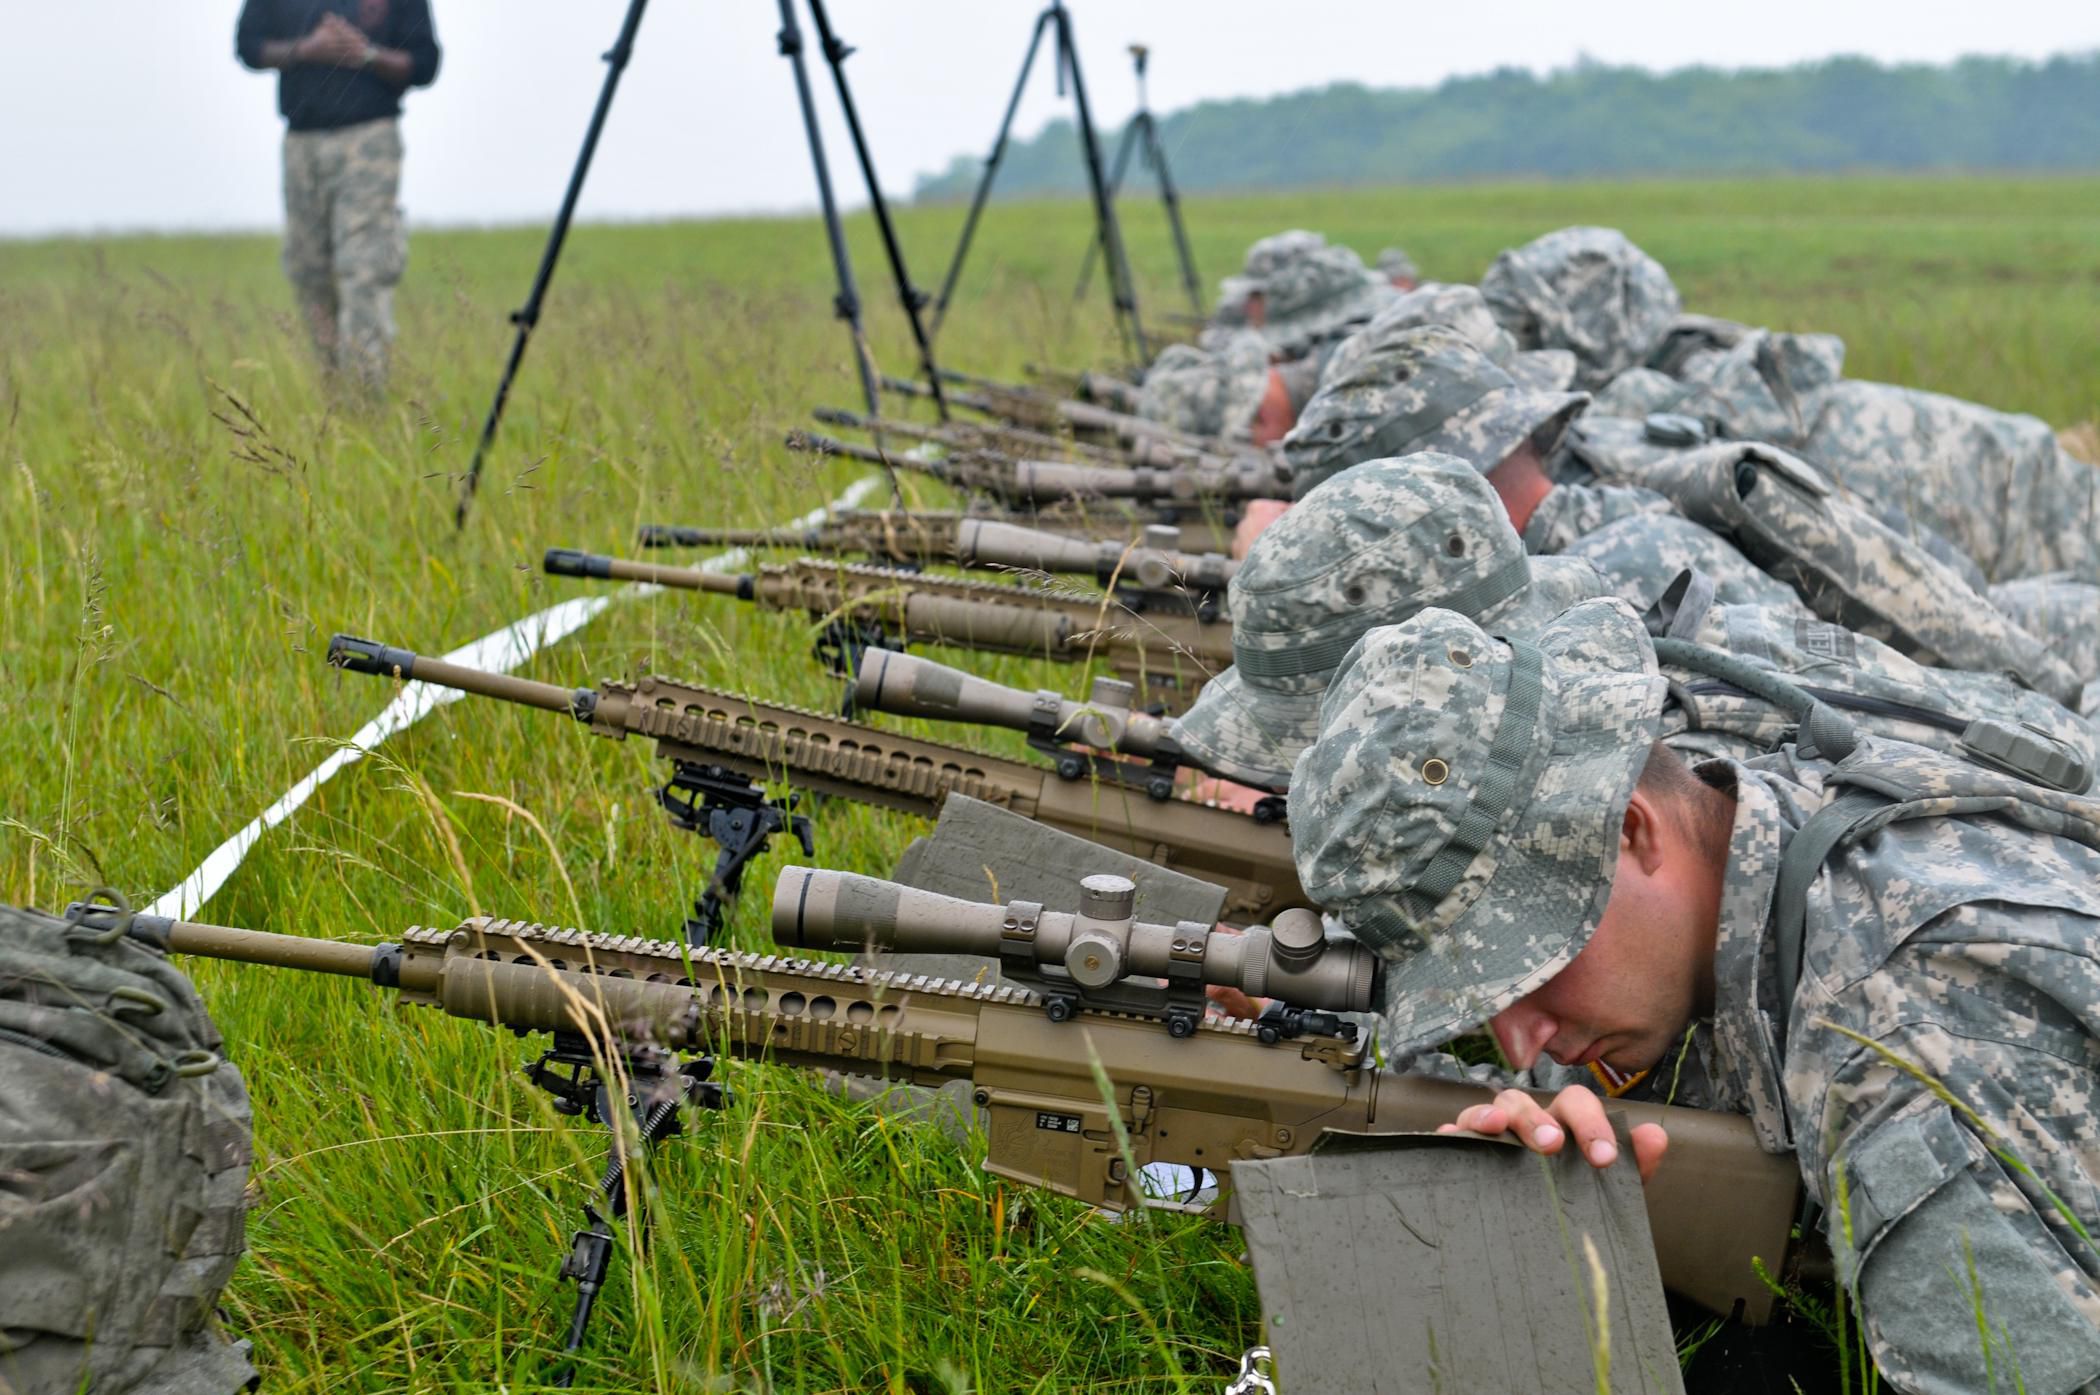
point(133, 114)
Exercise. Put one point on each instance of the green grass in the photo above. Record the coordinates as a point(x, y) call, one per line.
point(185, 516)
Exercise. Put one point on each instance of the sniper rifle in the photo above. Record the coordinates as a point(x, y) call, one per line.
point(1167, 649)
point(1098, 1063)
point(930, 537)
point(1060, 414)
point(725, 749)
point(1024, 483)
point(1156, 576)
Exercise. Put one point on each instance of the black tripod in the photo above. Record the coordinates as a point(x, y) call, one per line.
point(1106, 233)
point(847, 302)
point(1143, 133)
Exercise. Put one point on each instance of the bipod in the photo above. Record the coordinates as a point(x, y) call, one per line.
point(1122, 289)
point(527, 316)
point(1143, 132)
point(841, 645)
point(653, 1086)
point(740, 819)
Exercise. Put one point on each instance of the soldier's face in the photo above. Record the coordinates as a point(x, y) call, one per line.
point(1647, 970)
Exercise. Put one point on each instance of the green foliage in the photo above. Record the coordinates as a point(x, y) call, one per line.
point(1593, 121)
point(186, 513)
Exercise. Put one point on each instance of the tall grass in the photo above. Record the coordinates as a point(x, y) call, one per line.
point(186, 513)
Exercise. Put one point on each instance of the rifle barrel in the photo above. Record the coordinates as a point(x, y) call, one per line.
point(370, 656)
point(567, 561)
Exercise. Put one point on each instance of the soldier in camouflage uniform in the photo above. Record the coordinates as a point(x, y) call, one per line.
point(124, 1152)
point(1370, 547)
point(1589, 290)
point(1397, 267)
point(1460, 308)
point(1384, 540)
point(1210, 392)
point(1318, 298)
point(342, 67)
point(1430, 388)
point(1908, 1004)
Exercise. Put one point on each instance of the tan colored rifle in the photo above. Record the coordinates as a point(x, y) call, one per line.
point(1018, 483)
point(725, 748)
point(933, 537)
point(1076, 1096)
point(1154, 576)
point(1167, 652)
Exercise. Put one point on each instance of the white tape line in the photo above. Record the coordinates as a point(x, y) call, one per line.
point(499, 652)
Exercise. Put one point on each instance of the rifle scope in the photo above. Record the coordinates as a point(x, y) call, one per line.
point(1290, 960)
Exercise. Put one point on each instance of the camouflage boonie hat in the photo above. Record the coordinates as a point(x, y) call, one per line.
point(1461, 808)
point(1394, 263)
point(1429, 389)
point(1586, 289)
point(1231, 310)
point(1318, 293)
point(1207, 392)
point(1278, 250)
point(1370, 547)
point(1461, 308)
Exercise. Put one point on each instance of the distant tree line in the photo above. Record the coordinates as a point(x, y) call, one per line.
point(1594, 120)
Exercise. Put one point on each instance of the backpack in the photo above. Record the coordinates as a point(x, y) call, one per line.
point(124, 1152)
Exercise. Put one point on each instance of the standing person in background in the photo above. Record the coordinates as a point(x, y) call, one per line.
point(342, 66)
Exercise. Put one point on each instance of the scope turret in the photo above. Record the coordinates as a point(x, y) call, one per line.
point(1083, 954)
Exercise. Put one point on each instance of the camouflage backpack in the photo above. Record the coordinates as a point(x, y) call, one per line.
point(124, 1151)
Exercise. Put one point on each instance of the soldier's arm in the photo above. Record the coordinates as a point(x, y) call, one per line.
point(409, 53)
point(253, 43)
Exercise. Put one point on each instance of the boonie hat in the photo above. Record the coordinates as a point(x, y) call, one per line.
point(1589, 290)
point(1370, 547)
point(1426, 389)
point(1460, 811)
point(1461, 308)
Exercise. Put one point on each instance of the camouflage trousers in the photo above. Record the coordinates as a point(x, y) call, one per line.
point(344, 241)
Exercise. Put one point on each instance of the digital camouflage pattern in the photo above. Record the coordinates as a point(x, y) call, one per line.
point(1690, 335)
point(1767, 386)
point(1636, 394)
point(1460, 811)
point(1396, 266)
point(1427, 389)
point(124, 1152)
point(345, 245)
point(1640, 544)
point(1462, 309)
point(1207, 392)
point(1370, 547)
point(2061, 610)
point(1950, 1189)
point(1317, 296)
point(1589, 290)
point(1878, 690)
point(1269, 255)
point(1997, 485)
point(1849, 567)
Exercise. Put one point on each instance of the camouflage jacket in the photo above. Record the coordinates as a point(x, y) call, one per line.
point(1998, 485)
point(1641, 544)
point(1935, 1077)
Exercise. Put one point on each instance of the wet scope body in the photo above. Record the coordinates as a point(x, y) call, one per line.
point(1099, 956)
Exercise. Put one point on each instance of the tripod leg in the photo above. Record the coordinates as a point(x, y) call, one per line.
point(1157, 151)
point(527, 316)
point(909, 296)
point(847, 303)
point(1121, 287)
point(991, 172)
point(1115, 187)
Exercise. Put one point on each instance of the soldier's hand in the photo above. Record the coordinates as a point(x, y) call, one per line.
point(1233, 1003)
point(333, 41)
point(1546, 1128)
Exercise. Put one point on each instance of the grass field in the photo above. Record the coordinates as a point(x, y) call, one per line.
point(186, 515)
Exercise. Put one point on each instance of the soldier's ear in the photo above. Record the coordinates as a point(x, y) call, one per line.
point(1642, 832)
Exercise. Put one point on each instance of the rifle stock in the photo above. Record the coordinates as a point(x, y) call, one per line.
point(1039, 482)
point(697, 728)
point(1217, 1095)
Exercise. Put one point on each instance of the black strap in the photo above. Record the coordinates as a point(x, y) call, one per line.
point(1831, 826)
